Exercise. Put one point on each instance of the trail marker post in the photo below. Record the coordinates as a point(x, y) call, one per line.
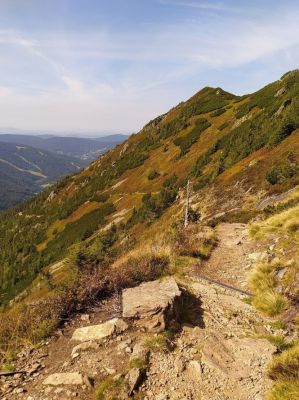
point(187, 205)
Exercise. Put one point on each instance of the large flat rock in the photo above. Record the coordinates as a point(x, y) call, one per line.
point(101, 331)
point(66, 378)
point(156, 302)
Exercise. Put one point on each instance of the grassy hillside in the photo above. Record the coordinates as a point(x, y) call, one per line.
point(234, 149)
point(117, 222)
point(25, 171)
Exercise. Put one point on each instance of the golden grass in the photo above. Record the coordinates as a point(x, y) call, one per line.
point(284, 390)
point(59, 225)
point(263, 282)
point(285, 365)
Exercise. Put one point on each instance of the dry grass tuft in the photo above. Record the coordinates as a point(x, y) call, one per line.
point(263, 282)
point(285, 365)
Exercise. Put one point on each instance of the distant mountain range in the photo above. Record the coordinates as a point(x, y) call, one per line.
point(29, 163)
point(25, 171)
point(86, 149)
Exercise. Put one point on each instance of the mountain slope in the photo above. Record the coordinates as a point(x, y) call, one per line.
point(230, 147)
point(83, 148)
point(25, 171)
point(119, 222)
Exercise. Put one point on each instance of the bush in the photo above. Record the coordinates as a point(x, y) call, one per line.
point(192, 242)
point(223, 126)
point(186, 141)
point(218, 112)
point(101, 197)
point(153, 205)
point(285, 365)
point(282, 172)
point(153, 175)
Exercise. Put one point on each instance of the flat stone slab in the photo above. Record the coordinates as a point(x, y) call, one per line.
point(67, 378)
point(152, 301)
point(101, 331)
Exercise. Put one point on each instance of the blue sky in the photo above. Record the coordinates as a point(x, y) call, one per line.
point(98, 66)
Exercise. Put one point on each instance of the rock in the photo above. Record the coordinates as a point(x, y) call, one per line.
point(85, 317)
point(140, 352)
point(85, 346)
point(280, 92)
point(134, 379)
point(33, 369)
point(99, 332)
point(51, 196)
point(67, 378)
point(110, 371)
point(195, 369)
point(154, 304)
point(179, 364)
point(258, 257)
point(19, 390)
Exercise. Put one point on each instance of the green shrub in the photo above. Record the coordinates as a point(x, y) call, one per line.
point(223, 126)
point(282, 172)
point(110, 389)
point(186, 141)
point(153, 175)
point(158, 343)
point(218, 112)
point(153, 205)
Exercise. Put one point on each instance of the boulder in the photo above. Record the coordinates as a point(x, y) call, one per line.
point(195, 369)
point(153, 304)
point(100, 332)
point(134, 379)
point(67, 378)
point(85, 346)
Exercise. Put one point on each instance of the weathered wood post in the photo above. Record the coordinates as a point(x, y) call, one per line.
point(187, 204)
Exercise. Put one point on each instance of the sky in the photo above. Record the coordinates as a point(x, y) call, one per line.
point(110, 66)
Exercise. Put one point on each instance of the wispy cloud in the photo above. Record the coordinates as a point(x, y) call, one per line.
point(194, 4)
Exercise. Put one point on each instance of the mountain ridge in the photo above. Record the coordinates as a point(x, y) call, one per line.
point(194, 138)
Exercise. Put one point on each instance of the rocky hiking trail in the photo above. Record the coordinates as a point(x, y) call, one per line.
point(126, 341)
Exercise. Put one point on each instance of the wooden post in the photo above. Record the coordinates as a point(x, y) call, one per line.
point(187, 204)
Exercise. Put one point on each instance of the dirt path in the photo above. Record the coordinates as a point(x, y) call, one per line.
point(230, 261)
point(215, 356)
point(219, 359)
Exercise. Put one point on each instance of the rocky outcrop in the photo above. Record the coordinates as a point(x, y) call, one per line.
point(154, 305)
point(101, 331)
